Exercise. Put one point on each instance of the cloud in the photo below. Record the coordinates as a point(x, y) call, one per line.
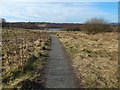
point(52, 12)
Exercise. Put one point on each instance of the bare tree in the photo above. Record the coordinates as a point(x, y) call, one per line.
point(2, 21)
point(96, 25)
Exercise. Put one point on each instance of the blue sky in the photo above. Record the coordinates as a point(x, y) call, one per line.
point(62, 12)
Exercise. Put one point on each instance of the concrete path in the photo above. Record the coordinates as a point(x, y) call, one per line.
point(58, 71)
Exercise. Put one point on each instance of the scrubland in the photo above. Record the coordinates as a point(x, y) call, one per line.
point(94, 57)
point(24, 54)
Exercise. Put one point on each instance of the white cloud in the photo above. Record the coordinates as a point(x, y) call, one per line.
point(53, 12)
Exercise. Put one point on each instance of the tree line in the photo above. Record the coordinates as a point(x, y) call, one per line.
point(93, 25)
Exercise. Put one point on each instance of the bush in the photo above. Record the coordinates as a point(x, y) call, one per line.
point(96, 25)
point(72, 29)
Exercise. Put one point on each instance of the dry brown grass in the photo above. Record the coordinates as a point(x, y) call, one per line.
point(23, 55)
point(94, 57)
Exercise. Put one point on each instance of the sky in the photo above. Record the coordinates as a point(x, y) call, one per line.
point(58, 12)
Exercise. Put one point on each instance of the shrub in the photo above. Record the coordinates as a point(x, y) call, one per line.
point(96, 25)
point(72, 29)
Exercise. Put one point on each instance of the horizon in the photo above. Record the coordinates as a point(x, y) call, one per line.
point(59, 12)
point(53, 22)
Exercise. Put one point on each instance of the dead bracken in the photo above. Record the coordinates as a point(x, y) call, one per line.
point(94, 57)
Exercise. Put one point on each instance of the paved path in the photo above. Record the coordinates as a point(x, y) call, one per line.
point(58, 70)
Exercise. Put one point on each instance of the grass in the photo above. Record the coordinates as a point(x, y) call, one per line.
point(94, 57)
point(24, 53)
